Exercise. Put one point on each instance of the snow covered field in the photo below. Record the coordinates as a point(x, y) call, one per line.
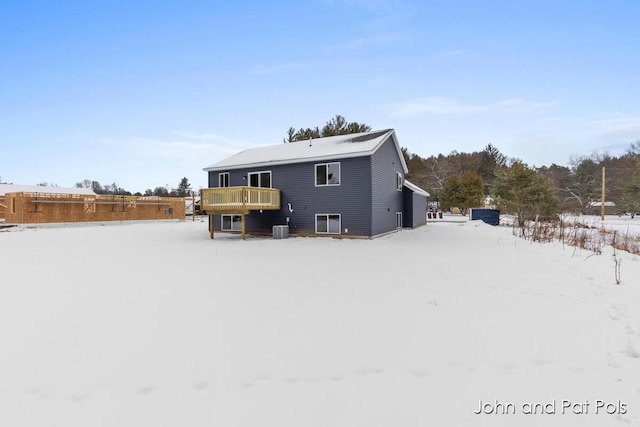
point(154, 324)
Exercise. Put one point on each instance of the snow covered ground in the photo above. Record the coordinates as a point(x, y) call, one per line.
point(154, 324)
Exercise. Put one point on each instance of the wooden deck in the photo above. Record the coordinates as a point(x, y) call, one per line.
point(237, 201)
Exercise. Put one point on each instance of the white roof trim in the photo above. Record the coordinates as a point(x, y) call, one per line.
point(411, 186)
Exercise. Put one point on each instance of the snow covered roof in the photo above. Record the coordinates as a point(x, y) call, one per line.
point(411, 186)
point(597, 204)
point(12, 188)
point(332, 147)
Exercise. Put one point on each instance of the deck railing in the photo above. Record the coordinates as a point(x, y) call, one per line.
point(239, 199)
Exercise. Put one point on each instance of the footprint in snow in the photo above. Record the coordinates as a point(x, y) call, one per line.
point(418, 373)
point(143, 391)
point(543, 363)
point(509, 367)
point(201, 386)
point(37, 393)
point(632, 350)
point(370, 371)
point(78, 397)
point(612, 362)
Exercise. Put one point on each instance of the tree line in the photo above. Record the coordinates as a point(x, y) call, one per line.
point(337, 125)
point(182, 190)
point(464, 179)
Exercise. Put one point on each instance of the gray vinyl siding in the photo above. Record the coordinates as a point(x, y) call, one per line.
point(415, 209)
point(296, 182)
point(386, 199)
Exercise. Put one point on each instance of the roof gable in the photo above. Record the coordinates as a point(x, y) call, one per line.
point(332, 147)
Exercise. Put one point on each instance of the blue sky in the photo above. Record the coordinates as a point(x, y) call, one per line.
point(142, 93)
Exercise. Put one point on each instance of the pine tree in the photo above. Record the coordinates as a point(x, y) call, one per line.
point(462, 191)
point(519, 190)
point(184, 188)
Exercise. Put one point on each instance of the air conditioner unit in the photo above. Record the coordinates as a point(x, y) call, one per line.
point(280, 231)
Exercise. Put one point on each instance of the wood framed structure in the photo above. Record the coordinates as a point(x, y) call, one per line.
point(42, 207)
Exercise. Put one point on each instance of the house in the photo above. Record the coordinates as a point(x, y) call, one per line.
point(347, 185)
point(595, 208)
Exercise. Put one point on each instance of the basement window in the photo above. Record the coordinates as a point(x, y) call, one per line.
point(231, 223)
point(328, 223)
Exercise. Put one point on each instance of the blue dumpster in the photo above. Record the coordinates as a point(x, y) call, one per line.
point(490, 216)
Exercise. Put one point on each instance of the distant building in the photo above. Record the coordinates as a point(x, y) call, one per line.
point(30, 204)
point(594, 208)
point(13, 188)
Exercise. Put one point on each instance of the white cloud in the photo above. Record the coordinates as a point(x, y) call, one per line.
point(617, 128)
point(137, 163)
point(620, 126)
point(444, 105)
point(200, 136)
point(181, 149)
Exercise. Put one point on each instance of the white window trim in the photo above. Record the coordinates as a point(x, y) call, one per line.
point(315, 174)
point(222, 222)
point(399, 181)
point(399, 223)
point(259, 179)
point(220, 175)
point(328, 215)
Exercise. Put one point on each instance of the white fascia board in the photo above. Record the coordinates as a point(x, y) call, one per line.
point(289, 162)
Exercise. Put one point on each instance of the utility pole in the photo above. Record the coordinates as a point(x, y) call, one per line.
point(602, 199)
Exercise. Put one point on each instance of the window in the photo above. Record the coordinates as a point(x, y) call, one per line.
point(328, 174)
point(328, 223)
point(398, 220)
point(260, 179)
point(223, 179)
point(231, 222)
point(399, 181)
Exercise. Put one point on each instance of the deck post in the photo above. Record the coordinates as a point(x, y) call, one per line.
point(243, 226)
point(211, 225)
